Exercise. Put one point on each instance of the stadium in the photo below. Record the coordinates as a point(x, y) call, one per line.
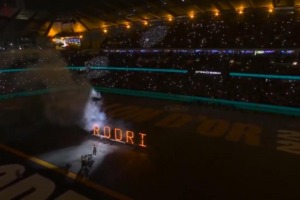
point(149, 99)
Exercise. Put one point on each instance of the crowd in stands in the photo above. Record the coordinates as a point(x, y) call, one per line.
point(216, 86)
point(211, 48)
point(271, 63)
point(250, 30)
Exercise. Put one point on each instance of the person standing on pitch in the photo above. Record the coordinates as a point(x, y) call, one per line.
point(94, 150)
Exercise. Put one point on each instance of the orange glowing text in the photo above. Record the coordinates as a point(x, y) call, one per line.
point(119, 135)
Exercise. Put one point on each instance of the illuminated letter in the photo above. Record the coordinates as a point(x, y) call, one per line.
point(41, 188)
point(118, 131)
point(129, 136)
point(106, 135)
point(8, 173)
point(96, 130)
point(142, 140)
point(251, 133)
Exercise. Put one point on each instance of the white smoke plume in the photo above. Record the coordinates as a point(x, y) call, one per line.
point(77, 103)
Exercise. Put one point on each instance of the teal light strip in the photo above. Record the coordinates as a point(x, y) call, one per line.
point(269, 76)
point(17, 70)
point(102, 68)
point(173, 97)
point(131, 69)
